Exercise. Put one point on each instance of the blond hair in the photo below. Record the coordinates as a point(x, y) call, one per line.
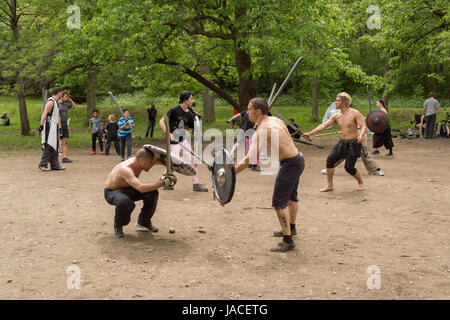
point(345, 98)
point(112, 117)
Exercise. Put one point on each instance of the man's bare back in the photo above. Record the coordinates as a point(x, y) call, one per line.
point(116, 178)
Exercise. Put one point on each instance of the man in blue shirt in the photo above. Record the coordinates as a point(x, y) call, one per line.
point(125, 125)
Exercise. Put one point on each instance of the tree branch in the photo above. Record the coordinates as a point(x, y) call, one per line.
point(423, 36)
point(202, 80)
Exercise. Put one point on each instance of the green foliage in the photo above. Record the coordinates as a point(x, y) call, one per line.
point(145, 47)
point(401, 111)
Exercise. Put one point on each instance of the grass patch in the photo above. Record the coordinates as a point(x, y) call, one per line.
point(402, 111)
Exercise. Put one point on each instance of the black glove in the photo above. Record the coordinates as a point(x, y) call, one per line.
point(41, 127)
point(60, 130)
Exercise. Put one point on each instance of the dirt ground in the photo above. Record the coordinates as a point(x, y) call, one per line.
point(401, 223)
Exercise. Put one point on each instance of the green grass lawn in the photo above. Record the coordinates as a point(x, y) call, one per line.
point(401, 112)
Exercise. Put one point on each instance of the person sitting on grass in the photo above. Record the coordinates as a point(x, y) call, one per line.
point(5, 120)
point(443, 129)
point(421, 125)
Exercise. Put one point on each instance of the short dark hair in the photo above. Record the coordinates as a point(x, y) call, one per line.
point(95, 110)
point(431, 94)
point(124, 110)
point(261, 104)
point(56, 90)
point(144, 153)
point(185, 96)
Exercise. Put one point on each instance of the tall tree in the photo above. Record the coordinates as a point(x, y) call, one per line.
point(168, 33)
point(31, 44)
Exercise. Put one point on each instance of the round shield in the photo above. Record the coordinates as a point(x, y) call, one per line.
point(330, 111)
point(177, 164)
point(223, 176)
point(377, 121)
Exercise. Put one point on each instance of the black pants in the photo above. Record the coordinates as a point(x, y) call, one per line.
point(128, 141)
point(49, 155)
point(96, 136)
point(349, 150)
point(124, 199)
point(430, 122)
point(286, 183)
point(115, 139)
point(151, 124)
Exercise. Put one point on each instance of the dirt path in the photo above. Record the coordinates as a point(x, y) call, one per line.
point(400, 224)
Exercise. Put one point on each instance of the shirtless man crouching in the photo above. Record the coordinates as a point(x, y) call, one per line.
point(284, 199)
point(123, 188)
point(349, 146)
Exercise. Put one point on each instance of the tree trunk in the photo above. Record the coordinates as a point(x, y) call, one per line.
point(208, 98)
point(315, 96)
point(435, 81)
point(24, 123)
point(247, 87)
point(20, 81)
point(90, 91)
point(387, 67)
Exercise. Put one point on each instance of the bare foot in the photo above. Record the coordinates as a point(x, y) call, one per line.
point(360, 187)
point(326, 189)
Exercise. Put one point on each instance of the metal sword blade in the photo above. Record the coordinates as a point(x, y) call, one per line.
point(271, 93)
point(117, 104)
point(285, 82)
point(168, 158)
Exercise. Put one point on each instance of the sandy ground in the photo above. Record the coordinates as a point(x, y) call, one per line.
point(51, 221)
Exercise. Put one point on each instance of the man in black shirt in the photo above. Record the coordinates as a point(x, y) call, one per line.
point(111, 134)
point(151, 120)
point(181, 119)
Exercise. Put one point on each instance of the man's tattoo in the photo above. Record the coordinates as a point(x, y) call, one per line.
point(284, 221)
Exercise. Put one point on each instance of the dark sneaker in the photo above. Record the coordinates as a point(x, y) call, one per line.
point(122, 159)
point(283, 247)
point(147, 227)
point(118, 232)
point(389, 155)
point(376, 152)
point(42, 168)
point(199, 187)
point(256, 168)
point(280, 233)
point(66, 160)
point(59, 168)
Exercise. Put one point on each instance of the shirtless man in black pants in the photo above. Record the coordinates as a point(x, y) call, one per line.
point(284, 199)
point(349, 147)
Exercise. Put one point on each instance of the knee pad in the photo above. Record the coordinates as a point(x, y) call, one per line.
point(351, 171)
point(330, 163)
point(152, 195)
point(129, 205)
